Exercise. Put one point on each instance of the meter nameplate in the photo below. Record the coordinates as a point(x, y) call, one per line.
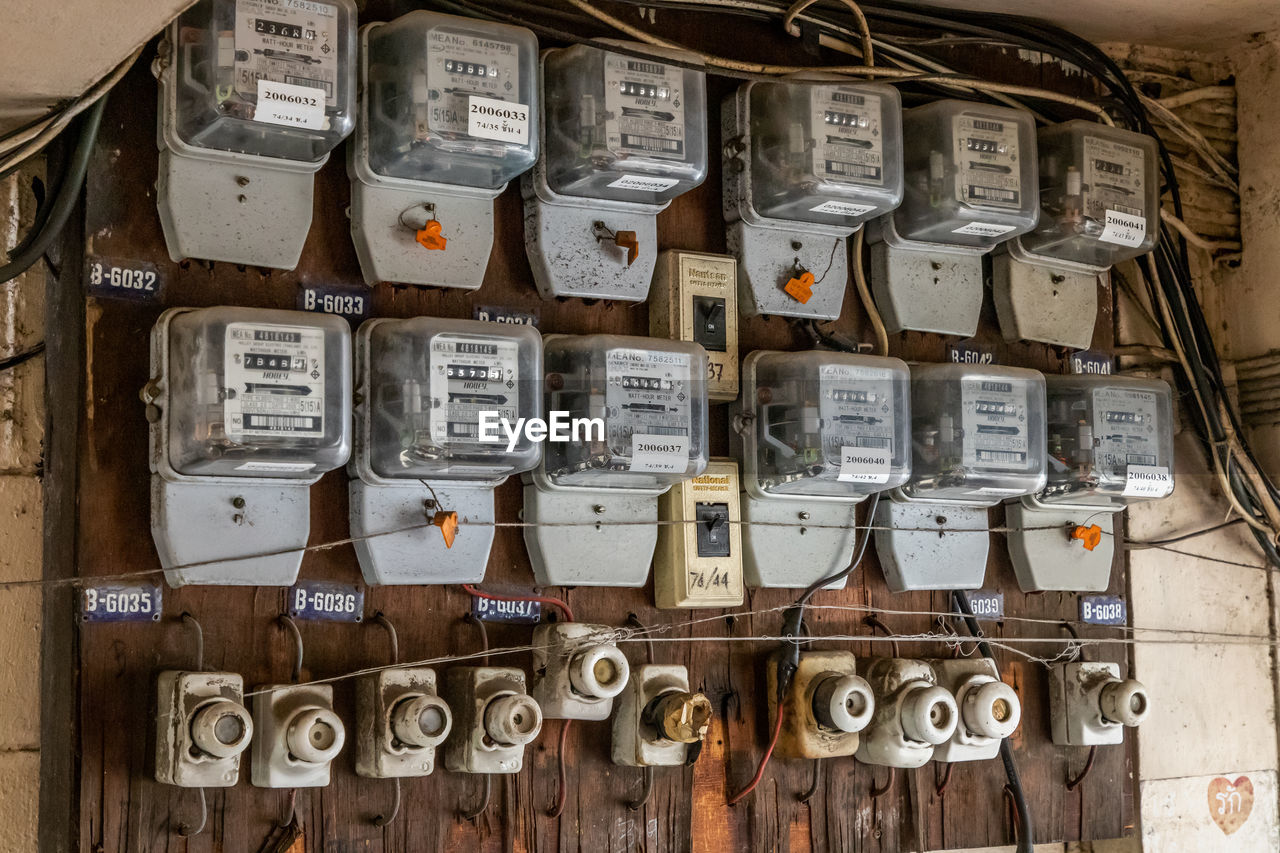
point(647, 395)
point(865, 465)
point(1147, 481)
point(659, 453)
point(140, 281)
point(1091, 363)
point(644, 101)
point(994, 419)
point(848, 145)
point(326, 602)
point(643, 183)
point(524, 612)
point(985, 604)
point(465, 73)
point(274, 379)
point(121, 602)
point(292, 42)
point(289, 105)
point(1103, 610)
point(855, 409)
point(1126, 437)
point(987, 168)
point(470, 376)
point(1114, 191)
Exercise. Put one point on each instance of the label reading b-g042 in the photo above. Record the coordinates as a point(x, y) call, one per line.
point(644, 103)
point(648, 401)
point(294, 42)
point(274, 381)
point(994, 417)
point(121, 602)
point(987, 169)
point(470, 375)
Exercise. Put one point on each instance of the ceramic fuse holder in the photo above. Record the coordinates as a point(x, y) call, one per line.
point(494, 719)
point(202, 727)
point(913, 714)
point(825, 708)
point(400, 722)
point(989, 709)
point(658, 718)
point(577, 671)
point(1090, 704)
point(298, 735)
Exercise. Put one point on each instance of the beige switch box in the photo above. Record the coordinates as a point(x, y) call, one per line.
point(698, 562)
point(695, 298)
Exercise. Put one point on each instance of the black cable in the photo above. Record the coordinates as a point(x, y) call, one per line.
point(21, 357)
point(1156, 543)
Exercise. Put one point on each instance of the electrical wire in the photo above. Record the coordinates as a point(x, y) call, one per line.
point(864, 293)
point(557, 603)
point(1159, 543)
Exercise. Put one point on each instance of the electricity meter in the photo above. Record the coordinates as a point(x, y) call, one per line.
point(632, 413)
point(979, 437)
point(970, 184)
point(1110, 443)
point(446, 107)
point(248, 407)
point(1099, 205)
point(254, 94)
point(806, 163)
point(818, 432)
point(622, 135)
point(431, 446)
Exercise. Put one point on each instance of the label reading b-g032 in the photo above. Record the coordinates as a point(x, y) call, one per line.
point(645, 105)
point(855, 407)
point(986, 155)
point(285, 41)
point(994, 417)
point(648, 394)
point(848, 146)
point(1114, 190)
point(274, 381)
point(470, 375)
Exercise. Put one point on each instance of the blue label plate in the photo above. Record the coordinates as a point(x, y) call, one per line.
point(1103, 610)
point(986, 604)
point(341, 301)
point(1091, 363)
point(970, 352)
point(121, 602)
point(515, 612)
point(490, 314)
point(116, 278)
point(326, 602)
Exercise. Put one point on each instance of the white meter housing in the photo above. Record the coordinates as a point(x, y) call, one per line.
point(638, 409)
point(248, 407)
point(254, 94)
point(1110, 443)
point(426, 387)
point(806, 163)
point(622, 135)
point(978, 434)
point(1099, 205)
point(448, 107)
point(818, 432)
point(970, 185)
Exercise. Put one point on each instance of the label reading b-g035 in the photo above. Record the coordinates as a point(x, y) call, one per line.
point(285, 41)
point(848, 146)
point(274, 379)
point(470, 375)
point(994, 417)
point(121, 602)
point(645, 105)
point(855, 406)
point(986, 155)
point(647, 394)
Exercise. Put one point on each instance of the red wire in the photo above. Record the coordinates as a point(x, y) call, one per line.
point(562, 606)
point(558, 809)
point(764, 760)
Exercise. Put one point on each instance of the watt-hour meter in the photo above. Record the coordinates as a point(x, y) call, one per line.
point(805, 164)
point(1099, 205)
point(818, 432)
point(622, 135)
point(1110, 443)
point(633, 415)
point(447, 112)
point(438, 403)
point(254, 94)
point(978, 435)
point(970, 184)
point(248, 407)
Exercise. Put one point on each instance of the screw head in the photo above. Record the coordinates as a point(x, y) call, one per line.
point(237, 502)
point(598, 509)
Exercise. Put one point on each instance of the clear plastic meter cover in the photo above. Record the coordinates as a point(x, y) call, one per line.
point(825, 152)
point(1110, 439)
point(828, 423)
point(274, 78)
point(970, 174)
point(1099, 194)
point(623, 127)
point(651, 395)
point(258, 393)
point(429, 383)
point(452, 100)
point(978, 433)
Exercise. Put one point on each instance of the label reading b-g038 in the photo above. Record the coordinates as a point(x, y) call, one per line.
point(462, 66)
point(994, 417)
point(645, 105)
point(1114, 190)
point(986, 155)
point(855, 407)
point(1126, 431)
point(471, 375)
point(285, 41)
point(274, 381)
point(647, 394)
point(848, 146)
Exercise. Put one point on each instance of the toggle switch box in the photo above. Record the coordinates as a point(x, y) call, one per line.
point(202, 727)
point(825, 708)
point(695, 298)
point(658, 718)
point(1090, 705)
point(698, 562)
point(577, 671)
point(400, 722)
point(495, 718)
point(298, 736)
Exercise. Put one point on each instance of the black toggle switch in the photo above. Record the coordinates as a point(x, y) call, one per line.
point(709, 323)
point(713, 529)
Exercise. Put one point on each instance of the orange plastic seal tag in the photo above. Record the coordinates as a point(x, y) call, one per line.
point(430, 236)
point(800, 289)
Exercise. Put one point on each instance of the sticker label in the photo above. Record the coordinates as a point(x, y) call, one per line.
point(470, 375)
point(1114, 189)
point(644, 183)
point(665, 454)
point(843, 208)
point(644, 108)
point(1147, 481)
point(326, 602)
point(289, 105)
point(994, 419)
point(294, 42)
point(326, 299)
point(1126, 436)
point(119, 279)
point(987, 169)
point(986, 604)
point(983, 229)
point(1125, 229)
point(1091, 363)
point(121, 602)
point(491, 119)
point(276, 467)
point(865, 465)
point(274, 381)
point(1103, 610)
point(856, 409)
point(466, 71)
point(647, 395)
point(513, 612)
point(848, 147)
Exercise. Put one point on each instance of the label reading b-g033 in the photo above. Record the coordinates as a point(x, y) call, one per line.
point(461, 66)
point(285, 41)
point(848, 146)
point(274, 381)
point(994, 417)
point(986, 155)
point(647, 393)
point(470, 375)
point(645, 104)
point(855, 407)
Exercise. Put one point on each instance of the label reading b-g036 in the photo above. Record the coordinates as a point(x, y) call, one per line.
point(326, 602)
point(848, 146)
point(645, 105)
point(285, 41)
point(470, 375)
point(994, 417)
point(986, 155)
point(855, 407)
point(274, 381)
point(647, 394)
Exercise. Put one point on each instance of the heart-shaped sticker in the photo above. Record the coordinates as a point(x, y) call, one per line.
point(1230, 802)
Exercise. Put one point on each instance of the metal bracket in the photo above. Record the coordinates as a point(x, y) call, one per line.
point(780, 550)
point(1041, 302)
point(1044, 555)
point(580, 554)
point(924, 545)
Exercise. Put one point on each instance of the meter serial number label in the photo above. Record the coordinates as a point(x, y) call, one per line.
point(274, 381)
point(512, 612)
point(667, 454)
point(1103, 610)
point(490, 119)
point(986, 604)
point(118, 279)
point(1147, 481)
point(326, 602)
point(290, 105)
point(328, 300)
point(121, 603)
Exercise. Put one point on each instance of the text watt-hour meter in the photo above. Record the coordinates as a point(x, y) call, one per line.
point(1110, 444)
point(591, 506)
point(818, 432)
point(806, 163)
point(1099, 205)
point(448, 107)
point(425, 386)
point(622, 135)
point(248, 407)
point(978, 438)
point(970, 184)
point(254, 94)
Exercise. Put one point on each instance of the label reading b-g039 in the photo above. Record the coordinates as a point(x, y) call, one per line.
point(647, 397)
point(470, 375)
point(855, 406)
point(285, 41)
point(994, 417)
point(645, 105)
point(986, 155)
point(848, 146)
point(274, 381)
